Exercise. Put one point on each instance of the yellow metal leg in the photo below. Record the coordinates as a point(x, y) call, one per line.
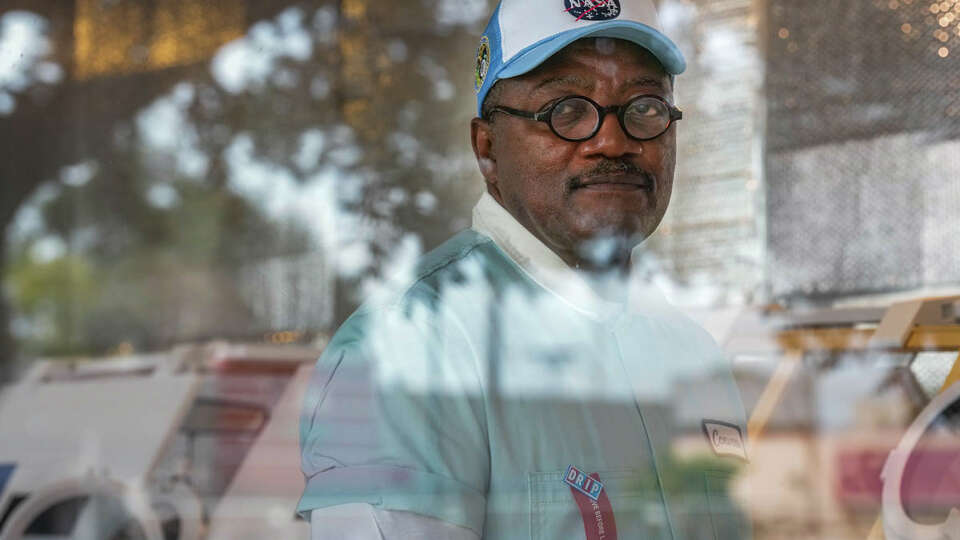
point(876, 533)
point(771, 394)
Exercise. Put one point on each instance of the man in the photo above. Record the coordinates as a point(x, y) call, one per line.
point(520, 384)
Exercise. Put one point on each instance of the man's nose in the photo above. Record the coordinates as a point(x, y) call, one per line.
point(610, 141)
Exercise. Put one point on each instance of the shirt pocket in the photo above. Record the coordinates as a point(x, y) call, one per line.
point(638, 508)
point(707, 511)
point(729, 523)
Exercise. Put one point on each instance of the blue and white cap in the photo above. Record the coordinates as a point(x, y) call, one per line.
point(522, 34)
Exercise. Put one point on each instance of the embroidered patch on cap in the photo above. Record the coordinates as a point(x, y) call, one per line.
point(582, 482)
point(726, 439)
point(592, 10)
point(483, 63)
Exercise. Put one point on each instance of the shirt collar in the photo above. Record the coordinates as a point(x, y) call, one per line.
point(542, 265)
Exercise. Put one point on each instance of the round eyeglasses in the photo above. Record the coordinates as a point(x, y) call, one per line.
point(578, 118)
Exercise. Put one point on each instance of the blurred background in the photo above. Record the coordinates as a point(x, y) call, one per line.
point(200, 191)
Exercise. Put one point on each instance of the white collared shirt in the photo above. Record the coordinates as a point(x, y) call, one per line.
point(572, 288)
point(543, 265)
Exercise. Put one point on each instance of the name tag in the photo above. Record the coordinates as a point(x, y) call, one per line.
point(725, 439)
point(580, 481)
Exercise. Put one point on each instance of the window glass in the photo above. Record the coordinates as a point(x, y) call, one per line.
point(195, 196)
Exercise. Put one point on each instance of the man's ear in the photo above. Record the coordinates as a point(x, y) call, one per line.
point(481, 137)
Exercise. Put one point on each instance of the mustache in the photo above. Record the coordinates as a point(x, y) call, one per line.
point(610, 167)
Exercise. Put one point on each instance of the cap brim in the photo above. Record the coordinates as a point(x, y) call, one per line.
point(665, 50)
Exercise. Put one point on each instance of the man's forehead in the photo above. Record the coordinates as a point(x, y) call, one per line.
point(584, 50)
point(601, 45)
point(589, 83)
point(576, 65)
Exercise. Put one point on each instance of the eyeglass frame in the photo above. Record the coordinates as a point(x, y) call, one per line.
point(544, 115)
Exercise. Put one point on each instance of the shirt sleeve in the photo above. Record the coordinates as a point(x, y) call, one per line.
point(394, 418)
point(363, 522)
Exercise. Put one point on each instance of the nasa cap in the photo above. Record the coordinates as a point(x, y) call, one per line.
point(522, 34)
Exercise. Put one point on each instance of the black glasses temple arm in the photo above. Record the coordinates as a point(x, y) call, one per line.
point(538, 116)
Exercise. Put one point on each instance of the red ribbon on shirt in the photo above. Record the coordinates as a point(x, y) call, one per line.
point(598, 522)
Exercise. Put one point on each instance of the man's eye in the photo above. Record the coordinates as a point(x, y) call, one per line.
point(641, 112)
point(643, 109)
point(570, 110)
point(548, 105)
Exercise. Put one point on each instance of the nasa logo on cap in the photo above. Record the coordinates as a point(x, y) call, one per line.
point(523, 34)
point(593, 10)
point(483, 62)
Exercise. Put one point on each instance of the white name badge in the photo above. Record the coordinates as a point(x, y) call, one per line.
point(725, 439)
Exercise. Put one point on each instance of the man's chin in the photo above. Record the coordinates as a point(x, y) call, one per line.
point(591, 228)
point(610, 248)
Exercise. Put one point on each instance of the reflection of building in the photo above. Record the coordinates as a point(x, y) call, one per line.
point(713, 228)
point(862, 146)
point(818, 139)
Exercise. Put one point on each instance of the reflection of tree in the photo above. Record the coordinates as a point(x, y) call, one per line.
point(140, 273)
point(24, 141)
point(127, 37)
point(383, 93)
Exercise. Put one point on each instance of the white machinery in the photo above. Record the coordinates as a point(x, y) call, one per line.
point(155, 447)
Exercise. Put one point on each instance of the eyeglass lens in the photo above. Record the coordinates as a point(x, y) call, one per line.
point(576, 118)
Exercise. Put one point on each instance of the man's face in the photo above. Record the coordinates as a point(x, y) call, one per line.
point(574, 196)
